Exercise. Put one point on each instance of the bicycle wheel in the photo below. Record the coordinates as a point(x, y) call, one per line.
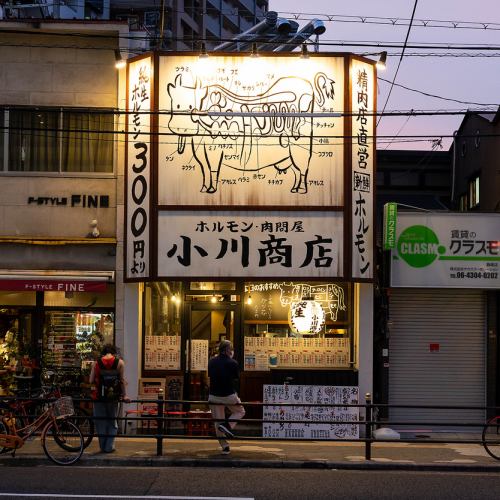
point(491, 437)
point(62, 442)
point(86, 425)
point(3, 430)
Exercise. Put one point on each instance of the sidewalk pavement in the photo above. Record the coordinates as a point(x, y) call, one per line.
point(141, 451)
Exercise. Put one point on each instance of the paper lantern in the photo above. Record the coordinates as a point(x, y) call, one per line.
point(306, 317)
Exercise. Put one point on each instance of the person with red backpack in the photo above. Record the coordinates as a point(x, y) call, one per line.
point(107, 375)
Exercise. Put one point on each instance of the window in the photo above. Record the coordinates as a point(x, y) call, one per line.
point(463, 203)
point(473, 189)
point(56, 140)
point(162, 325)
point(297, 325)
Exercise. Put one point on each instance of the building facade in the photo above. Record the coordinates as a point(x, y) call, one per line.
point(59, 170)
point(438, 322)
point(181, 25)
point(234, 232)
point(476, 182)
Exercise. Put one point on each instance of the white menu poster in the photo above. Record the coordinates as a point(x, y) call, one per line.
point(311, 394)
point(162, 352)
point(262, 353)
point(199, 355)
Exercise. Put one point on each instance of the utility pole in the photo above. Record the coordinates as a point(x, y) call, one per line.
point(162, 25)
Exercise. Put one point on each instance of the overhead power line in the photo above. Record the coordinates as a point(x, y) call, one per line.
point(259, 39)
point(400, 59)
point(394, 21)
point(139, 51)
point(438, 96)
point(335, 18)
point(319, 114)
point(223, 137)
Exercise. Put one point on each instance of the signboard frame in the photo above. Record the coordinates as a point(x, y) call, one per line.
point(446, 250)
point(349, 271)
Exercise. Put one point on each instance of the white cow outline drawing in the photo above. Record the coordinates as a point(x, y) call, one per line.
point(290, 94)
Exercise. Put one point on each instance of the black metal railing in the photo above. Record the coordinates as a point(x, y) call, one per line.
point(157, 416)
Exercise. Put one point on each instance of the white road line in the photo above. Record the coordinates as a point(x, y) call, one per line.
point(148, 497)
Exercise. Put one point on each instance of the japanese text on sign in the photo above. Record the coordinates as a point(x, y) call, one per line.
point(362, 170)
point(138, 171)
point(242, 243)
point(316, 422)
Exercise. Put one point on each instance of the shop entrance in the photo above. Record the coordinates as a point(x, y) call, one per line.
point(209, 323)
point(17, 347)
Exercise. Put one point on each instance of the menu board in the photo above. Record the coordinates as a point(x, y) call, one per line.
point(162, 352)
point(311, 394)
point(199, 355)
point(271, 301)
point(294, 352)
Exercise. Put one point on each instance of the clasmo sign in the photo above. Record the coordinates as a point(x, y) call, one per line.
point(447, 250)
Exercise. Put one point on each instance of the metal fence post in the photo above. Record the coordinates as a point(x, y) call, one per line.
point(368, 426)
point(159, 424)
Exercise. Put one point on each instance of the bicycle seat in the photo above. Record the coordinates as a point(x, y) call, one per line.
point(24, 377)
point(5, 404)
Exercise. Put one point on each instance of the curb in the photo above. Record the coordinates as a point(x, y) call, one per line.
point(26, 461)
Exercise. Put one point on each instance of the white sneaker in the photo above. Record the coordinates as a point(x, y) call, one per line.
point(226, 450)
point(226, 430)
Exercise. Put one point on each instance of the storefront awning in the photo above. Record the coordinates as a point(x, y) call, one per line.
point(55, 281)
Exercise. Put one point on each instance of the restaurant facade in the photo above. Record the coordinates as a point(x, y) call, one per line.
point(249, 217)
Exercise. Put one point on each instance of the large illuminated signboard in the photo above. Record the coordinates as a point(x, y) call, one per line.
point(446, 250)
point(253, 139)
point(250, 244)
point(237, 134)
point(138, 169)
point(362, 175)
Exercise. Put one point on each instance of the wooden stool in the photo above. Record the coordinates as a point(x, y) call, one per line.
point(199, 427)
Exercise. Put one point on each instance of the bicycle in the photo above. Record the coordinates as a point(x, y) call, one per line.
point(61, 439)
point(491, 437)
point(28, 403)
point(82, 419)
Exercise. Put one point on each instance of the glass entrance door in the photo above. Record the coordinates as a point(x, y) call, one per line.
point(209, 323)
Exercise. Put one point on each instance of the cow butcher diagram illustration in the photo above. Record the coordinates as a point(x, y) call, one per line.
point(250, 125)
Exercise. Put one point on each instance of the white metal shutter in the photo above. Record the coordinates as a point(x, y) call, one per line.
point(455, 374)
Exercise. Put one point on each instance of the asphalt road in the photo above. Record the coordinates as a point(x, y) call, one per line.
point(259, 484)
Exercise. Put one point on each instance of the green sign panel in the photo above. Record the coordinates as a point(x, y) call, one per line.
point(447, 250)
point(390, 216)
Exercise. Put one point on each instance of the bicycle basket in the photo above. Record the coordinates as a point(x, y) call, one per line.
point(63, 407)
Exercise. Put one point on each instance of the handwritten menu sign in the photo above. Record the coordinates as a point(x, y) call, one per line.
point(162, 352)
point(311, 394)
point(293, 352)
point(271, 301)
point(199, 355)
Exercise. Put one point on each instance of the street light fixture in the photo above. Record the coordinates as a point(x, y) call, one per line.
point(119, 62)
point(381, 63)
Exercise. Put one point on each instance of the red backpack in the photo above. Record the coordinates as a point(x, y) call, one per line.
point(109, 387)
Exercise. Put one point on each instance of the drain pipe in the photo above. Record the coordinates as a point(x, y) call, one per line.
point(453, 166)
